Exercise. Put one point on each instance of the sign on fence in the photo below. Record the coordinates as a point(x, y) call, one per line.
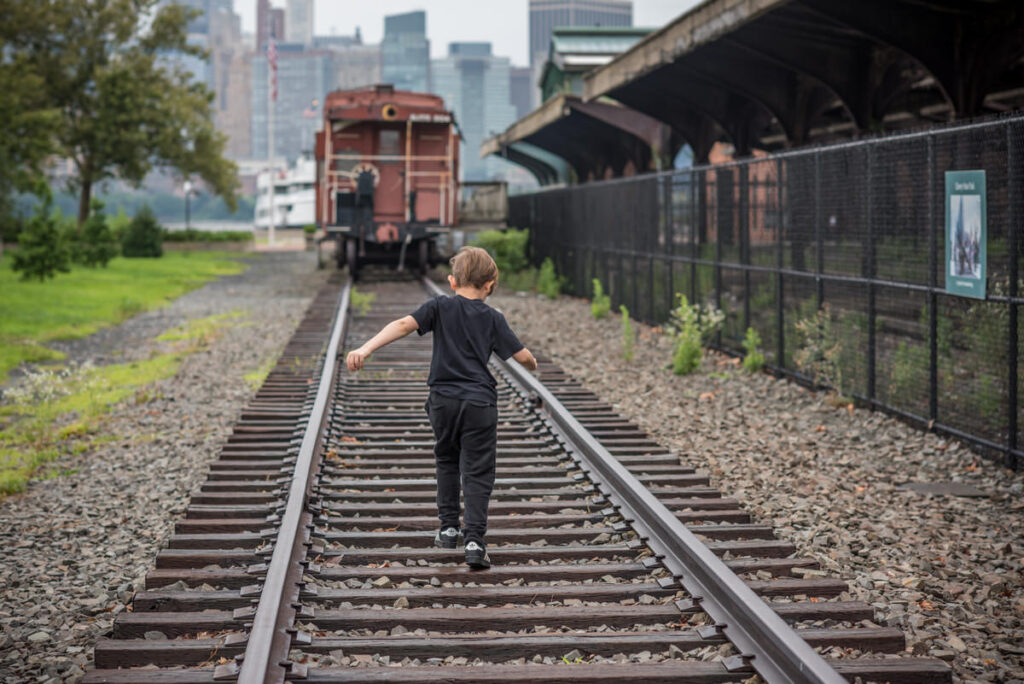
point(966, 233)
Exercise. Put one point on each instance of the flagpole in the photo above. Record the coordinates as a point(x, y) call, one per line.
point(270, 136)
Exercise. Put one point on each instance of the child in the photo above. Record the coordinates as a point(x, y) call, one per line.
point(463, 401)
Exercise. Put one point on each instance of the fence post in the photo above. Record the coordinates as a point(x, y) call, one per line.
point(872, 313)
point(819, 238)
point(780, 322)
point(1014, 180)
point(719, 236)
point(670, 236)
point(933, 284)
point(696, 216)
point(745, 240)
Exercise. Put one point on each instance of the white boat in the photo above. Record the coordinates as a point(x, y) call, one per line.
point(294, 196)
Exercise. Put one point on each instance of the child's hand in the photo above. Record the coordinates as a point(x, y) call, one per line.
point(355, 359)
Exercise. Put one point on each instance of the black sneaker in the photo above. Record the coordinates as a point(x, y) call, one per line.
point(476, 556)
point(448, 538)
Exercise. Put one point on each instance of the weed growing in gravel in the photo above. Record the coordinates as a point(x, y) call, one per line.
point(53, 411)
point(255, 378)
point(601, 304)
point(360, 302)
point(819, 349)
point(691, 326)
point(628, 335)
point(200, 331)
point(549, 283)
point(753, 361)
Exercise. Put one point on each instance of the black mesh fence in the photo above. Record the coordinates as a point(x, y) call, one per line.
point(856, 231)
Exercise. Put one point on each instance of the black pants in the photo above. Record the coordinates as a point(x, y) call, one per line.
point(466, 434)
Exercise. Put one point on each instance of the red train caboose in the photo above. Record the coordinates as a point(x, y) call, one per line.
point(387, 175)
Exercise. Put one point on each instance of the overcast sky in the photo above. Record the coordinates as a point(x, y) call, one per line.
point(504, 23)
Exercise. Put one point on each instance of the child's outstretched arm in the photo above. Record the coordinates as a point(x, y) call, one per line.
point(524, 357)
point(395, 330)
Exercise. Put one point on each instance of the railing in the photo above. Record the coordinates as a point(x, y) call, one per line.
point(858, 226)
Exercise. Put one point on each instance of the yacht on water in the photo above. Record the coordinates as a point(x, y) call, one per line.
point(294, 196)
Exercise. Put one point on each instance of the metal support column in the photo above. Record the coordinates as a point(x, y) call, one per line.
point(1015, 178)
point(933, 284)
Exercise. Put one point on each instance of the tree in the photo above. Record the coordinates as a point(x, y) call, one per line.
point(96, 246)
point(125, 106)
point(28, 119)
point(42, 252)
point(144, 237)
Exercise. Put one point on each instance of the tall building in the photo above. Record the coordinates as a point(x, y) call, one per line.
point(355, 66)
point(269, 22)
point(302, 77)
point(231, 79)
point(547, 15)
point(299, 22)
point(519, 90)
point(405, 52)
point(475, 86)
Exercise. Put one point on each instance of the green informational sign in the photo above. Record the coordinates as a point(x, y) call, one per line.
point(966, 233)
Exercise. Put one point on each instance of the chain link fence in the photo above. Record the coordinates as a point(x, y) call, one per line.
point(856, 230)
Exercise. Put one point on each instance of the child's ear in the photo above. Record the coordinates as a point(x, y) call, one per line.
point(451, 281)
point(490, 286)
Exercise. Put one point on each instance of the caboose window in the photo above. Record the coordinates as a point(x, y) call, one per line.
point(388, 145)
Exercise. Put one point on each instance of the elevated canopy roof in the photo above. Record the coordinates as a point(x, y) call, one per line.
point(773, 73)
point(596, 139)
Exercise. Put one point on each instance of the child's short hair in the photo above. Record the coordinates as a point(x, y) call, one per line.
point(473, 267)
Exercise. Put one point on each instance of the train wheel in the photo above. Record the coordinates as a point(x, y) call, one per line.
point(351, 259)
point(424, 253)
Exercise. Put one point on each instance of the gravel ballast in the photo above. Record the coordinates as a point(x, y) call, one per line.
point(945, 569)
point(77, 547)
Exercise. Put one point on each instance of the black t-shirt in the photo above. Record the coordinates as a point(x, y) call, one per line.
point(466, 331)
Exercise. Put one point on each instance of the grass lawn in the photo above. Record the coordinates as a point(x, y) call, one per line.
point(77, 304)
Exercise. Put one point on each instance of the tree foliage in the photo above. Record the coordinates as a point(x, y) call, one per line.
point(28, 118)
point(96, 246)
point(42, 251)
point(125, 106)
point(144, 237)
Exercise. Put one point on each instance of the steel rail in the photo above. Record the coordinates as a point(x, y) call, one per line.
point(764, 640)
point(266, 652)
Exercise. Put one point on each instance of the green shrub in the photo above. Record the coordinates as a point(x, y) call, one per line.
point(601, 304)
point(42, 249)
point(549, 283)
point(309, 229)
point(691, 326)
point(194, 235)
point(119, 224)
point(628, 335)
point(519, 281)
point(687, 355)
point(506, 247)
point(819, 349)
point(95, 245)
point(145, 236)
point(753, 361)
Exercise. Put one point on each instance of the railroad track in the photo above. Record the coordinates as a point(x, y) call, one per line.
point(308, 553)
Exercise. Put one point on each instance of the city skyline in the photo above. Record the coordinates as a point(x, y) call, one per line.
point(505, 25)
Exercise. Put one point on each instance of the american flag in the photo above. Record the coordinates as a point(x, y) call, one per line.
point(272, 61)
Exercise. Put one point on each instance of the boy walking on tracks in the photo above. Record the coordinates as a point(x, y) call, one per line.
point(463, 400)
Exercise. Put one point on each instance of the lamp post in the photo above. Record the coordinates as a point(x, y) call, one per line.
point(188, 195)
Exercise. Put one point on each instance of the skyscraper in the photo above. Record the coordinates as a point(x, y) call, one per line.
point(405, 52)
point(269, 22)
point(302, 77)
point(299, 22)
point(547, 15)
point(520, 86)
point(475, 86)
